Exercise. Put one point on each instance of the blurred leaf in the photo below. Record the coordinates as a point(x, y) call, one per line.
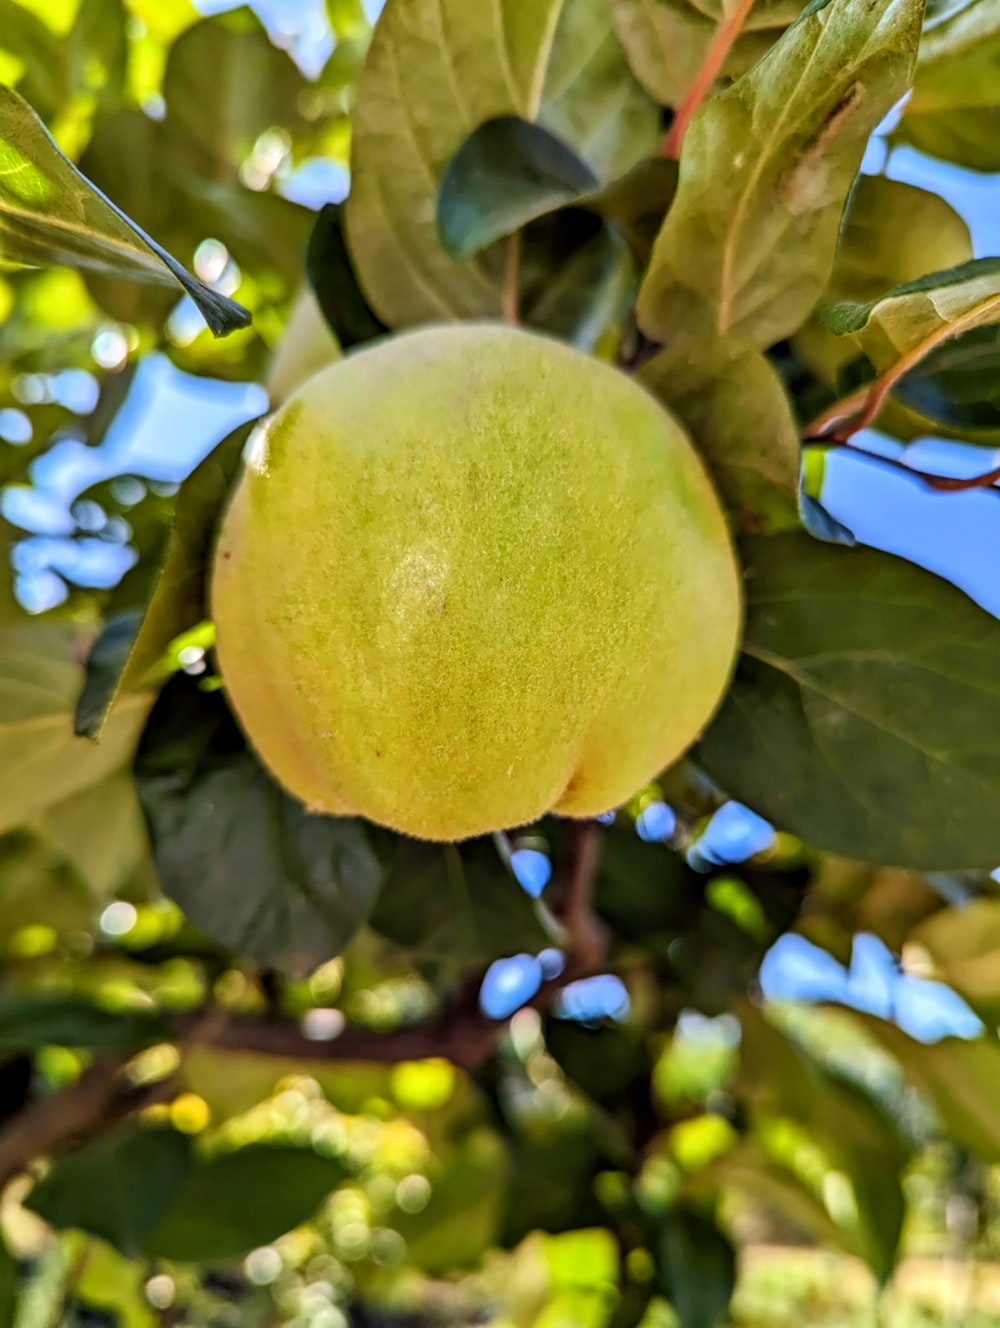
point(552, 63)
point(43, 763)
point(577, 276)
point(636, 203)
point(335, 284)
point(603, 1061)
point(118, 1188)
point(749, 243)
point(246, 863)
point(857, 1135)
point(964, 944)
point(953, 112)
point(455, 906)
point(225, 85)
point(968, 137)
point(460, 1221)
point(38, 887)
point(959, 1077)
point(859, 718)
point(120, 666)
point(100, 831)
point(507, 172)
point(666, 41)
point(696, 1264)
point(646, 892)
point(892, 234)
point(50, 213)
point(734, 406)
point(239, 1201)
point(31, 1020)
point(749, 1169)
point(8, 1284)
point(307, 345)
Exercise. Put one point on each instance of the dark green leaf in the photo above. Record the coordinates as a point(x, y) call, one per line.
point(549, 63)
point(767, 166)
point(636, 203)
point(31, 1020)
point(335, 284)
point(696, 1264)
point(119, 1188)
point(577, 276)
point(862, 713)
point(455, 907)
point(958, 384)
point(104, 667)
point(603, 1061)
point(248, 865)
point(734, 406)
point(242, 1200)
point(50, 213)
point(507, 172)
point(179, 601)
point(646, 892)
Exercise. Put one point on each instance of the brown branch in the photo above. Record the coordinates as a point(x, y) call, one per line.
point(101, 1098)
point(587, 937)
point(711, 67)
point(465, 1037)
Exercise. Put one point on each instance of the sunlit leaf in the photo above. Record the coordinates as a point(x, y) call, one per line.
point(50, 213)
point(859, 715)
point(546, 61)
point(507, 173)
point(749, 243)
point(131, 653)
point(43, 762)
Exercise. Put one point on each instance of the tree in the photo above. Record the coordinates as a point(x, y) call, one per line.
point(265, 1067)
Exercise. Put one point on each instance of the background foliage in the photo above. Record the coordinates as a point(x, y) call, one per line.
point(264, 1068)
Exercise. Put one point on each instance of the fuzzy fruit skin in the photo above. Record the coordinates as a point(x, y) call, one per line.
point(471, 575)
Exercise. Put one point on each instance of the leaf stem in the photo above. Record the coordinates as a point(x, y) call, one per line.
point(711, 67)
point(511, 279)
point(848, 416)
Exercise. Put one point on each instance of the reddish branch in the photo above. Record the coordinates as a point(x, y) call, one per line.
point(711, 67)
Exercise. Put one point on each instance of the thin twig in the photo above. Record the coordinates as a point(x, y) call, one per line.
point(711, 67)
point(941, 483)
point(586, 937)
point(511, 280)
point(858, 410)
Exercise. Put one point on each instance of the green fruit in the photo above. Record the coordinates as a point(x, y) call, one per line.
point(471, 575)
